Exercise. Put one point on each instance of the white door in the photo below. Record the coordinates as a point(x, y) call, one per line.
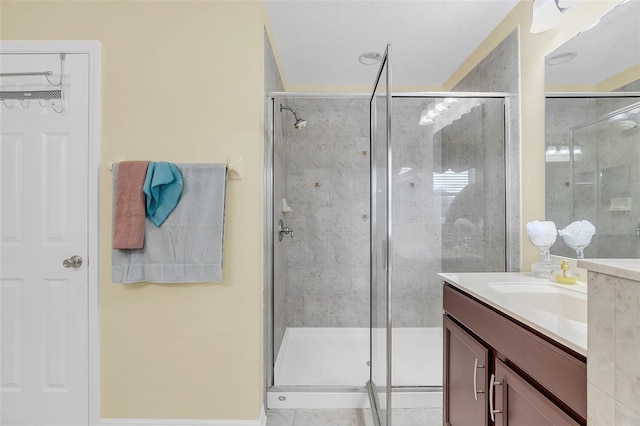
point(44, 199)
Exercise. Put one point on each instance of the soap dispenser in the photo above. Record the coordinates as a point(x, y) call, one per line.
point(564, 275)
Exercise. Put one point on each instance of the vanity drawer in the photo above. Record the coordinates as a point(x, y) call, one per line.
point(556, 370)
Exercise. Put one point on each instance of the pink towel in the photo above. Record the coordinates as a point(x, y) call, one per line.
point(130, 205)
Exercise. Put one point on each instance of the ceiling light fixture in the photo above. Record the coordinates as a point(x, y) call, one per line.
point(591, 26)
point(560, 58)
point(628, 124)
point(545, 15)
point(370, 58)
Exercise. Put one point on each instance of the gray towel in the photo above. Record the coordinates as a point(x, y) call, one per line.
point(188, 245)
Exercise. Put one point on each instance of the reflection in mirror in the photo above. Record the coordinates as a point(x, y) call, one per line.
point(593, 140)
point(593, 172)
point(469, 180)
point(603, 58)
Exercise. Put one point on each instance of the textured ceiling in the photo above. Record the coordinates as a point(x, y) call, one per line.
point(612, 46)
point(319, 41)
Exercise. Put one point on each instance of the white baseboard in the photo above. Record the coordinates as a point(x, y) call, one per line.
point(260, 421)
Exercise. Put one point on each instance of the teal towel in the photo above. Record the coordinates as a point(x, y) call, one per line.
point(163, 188)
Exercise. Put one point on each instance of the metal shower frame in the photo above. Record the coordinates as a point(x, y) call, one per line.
point(269, 229)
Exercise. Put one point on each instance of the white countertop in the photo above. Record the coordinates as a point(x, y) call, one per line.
point(516, 294)
point(624, 268)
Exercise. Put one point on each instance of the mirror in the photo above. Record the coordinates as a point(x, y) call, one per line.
point(592, 141)
point(604, 58)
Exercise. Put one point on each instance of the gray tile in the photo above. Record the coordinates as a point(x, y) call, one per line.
point(417, 417)
point(627, 344)
point(280, 417)
point(626, 416)
point(342, 417)
point(352, 417)
point(600, 369)
point(600, 407)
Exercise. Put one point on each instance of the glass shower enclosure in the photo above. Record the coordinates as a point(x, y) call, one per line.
point(438, 204)
point(382, 191)
point(379, 383)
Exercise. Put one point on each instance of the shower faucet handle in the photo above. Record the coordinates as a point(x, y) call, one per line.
point(283, 230)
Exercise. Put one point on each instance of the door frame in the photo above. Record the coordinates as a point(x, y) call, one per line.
point(94, 50)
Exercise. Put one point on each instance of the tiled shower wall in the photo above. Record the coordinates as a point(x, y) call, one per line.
point(499, 72)
point(474, 231)
point(328, 191)
point(417, 290)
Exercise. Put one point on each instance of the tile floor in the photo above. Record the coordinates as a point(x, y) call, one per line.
point(354, 417)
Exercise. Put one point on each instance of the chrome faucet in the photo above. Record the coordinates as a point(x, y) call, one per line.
point(283, 230)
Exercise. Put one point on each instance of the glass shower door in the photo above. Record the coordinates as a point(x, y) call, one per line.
point(379, 384)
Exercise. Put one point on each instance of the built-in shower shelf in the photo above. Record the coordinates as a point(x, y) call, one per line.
point(620, 205)
point(285, 206)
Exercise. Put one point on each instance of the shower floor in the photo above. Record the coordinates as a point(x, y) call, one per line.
point(314, 356)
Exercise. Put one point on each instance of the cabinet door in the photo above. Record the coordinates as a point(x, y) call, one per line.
point(517, 403)
point(465, 378)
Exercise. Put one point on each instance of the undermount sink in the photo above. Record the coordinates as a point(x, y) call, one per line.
point(564, 302)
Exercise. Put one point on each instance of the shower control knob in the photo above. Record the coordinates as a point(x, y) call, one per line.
point(283, 230)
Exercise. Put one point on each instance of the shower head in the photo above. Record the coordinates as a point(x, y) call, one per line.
point(300, 123)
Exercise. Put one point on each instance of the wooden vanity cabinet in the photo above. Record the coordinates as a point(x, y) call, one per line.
point(526, 378)
point(465, 376)
point(519, 403)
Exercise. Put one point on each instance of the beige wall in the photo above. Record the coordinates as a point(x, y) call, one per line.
point(181, 82)
point(533, 49)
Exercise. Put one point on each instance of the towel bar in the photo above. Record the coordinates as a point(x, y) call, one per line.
point(234, 168)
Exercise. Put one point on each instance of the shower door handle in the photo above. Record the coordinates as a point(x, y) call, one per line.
point(384, 255)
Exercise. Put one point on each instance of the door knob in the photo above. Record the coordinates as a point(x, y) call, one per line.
point(73, 262)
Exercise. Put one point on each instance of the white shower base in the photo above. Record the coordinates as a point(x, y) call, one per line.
point(337, 358)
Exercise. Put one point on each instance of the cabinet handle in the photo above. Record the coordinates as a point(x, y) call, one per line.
point(475, 379)
point(493, 383)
